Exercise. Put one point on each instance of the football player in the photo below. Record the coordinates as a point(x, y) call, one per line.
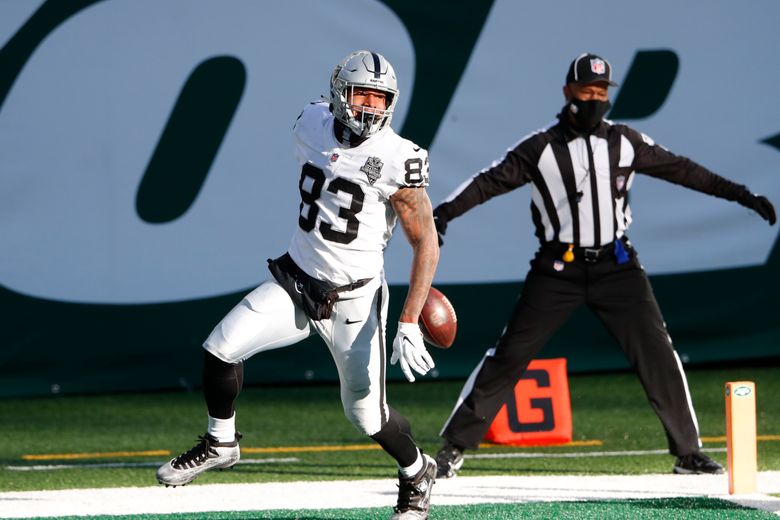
point(357, 178)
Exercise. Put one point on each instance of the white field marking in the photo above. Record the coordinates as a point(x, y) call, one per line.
point(48, 467)
point(101, 465)
point(195, 498)
point(577, 455)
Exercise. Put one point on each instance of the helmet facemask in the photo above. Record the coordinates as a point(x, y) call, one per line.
point(368, 120)
point(363, 70)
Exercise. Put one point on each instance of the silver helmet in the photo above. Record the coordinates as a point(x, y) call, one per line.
point(365, 69)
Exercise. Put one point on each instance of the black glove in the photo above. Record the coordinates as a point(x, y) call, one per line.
point(762, 206)
point(440, 221)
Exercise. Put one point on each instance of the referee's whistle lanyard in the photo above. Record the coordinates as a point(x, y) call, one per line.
point(621, 255)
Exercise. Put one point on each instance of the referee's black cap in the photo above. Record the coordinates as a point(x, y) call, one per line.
point(589, 68)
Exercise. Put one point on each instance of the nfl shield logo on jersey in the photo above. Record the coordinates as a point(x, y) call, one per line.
point(372, 169)
point(597, 66)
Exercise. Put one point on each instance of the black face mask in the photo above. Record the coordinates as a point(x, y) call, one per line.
point(587, 114)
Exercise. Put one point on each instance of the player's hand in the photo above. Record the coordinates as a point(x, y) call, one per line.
point(440, 221)
point(762, 206)
point(409, 349)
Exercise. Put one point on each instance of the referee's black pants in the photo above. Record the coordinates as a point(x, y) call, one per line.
point(621, 296)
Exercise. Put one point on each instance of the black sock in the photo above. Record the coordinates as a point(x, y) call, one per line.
point(395, 437)
point(222, 382)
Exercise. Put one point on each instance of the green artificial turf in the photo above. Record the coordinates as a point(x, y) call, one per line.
point(608, 408)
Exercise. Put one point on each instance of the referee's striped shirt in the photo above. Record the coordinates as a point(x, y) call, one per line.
point(581, 181)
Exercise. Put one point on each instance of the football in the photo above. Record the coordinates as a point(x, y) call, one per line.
point(438, 321)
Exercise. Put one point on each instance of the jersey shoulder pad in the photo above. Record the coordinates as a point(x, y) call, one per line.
point(636, 137)
point(413, 164)
point(534, 141)
point(629, 133)
point(313, 115)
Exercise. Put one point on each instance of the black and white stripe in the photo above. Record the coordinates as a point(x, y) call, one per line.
point(382, 353)
point(574, 191)
point(581, 181)
point(377, 66)
point(570, 203)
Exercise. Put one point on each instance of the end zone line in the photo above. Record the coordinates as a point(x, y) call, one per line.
point(108, 465)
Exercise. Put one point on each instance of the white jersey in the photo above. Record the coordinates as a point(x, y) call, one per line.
point(346, 218)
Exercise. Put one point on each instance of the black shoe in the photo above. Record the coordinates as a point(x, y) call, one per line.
point(448, 461)
point(414, 494)
point(697, 463)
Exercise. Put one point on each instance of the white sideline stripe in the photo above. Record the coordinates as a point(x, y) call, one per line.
point(48, 467)
point(194, 498)
point(577, 455)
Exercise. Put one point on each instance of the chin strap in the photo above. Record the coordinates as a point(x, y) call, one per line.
point(346, 136)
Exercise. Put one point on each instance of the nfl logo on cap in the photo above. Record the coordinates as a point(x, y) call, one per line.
point(590, 68)
point(597, 66)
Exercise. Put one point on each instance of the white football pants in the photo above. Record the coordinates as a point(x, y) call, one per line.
point(266, 319)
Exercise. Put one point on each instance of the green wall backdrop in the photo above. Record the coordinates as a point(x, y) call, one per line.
point(146, 171)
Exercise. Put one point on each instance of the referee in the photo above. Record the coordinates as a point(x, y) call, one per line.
point(581, 169)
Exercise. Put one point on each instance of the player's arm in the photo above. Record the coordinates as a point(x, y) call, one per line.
point(511, 172)
point(657, 161)
point(413, 208)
